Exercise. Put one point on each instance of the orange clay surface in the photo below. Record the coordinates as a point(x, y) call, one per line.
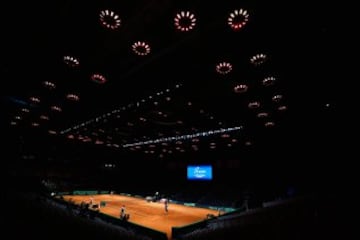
point(148, 214)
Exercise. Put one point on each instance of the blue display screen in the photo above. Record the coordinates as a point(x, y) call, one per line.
point(199, 172)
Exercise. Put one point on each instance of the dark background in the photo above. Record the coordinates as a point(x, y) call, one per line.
point(309, 147)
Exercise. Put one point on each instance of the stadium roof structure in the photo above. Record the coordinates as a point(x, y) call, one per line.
point(167, 78)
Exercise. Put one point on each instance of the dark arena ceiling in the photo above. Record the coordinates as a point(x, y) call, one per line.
point(166, 79)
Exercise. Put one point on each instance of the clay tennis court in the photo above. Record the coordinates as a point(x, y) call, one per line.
point(148, 214)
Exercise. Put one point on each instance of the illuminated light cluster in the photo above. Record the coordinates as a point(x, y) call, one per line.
point(258, 59)
point(282, 108)
point(184, 137)
point(72, 97)
point(35, 99)
point(225, 135)
point(25, 110)
point(277, 98)
point(248, 143)
point(17, 117)
point(185, 21)
point(98, 78)
point(35, 124)
point(241, 88)
point(110, 19)
point(13, 123)
point(269, 124)
point(141, 48)
point(238, 19)
point(71, 61)
point(44, 117)
point(56, 108)
point(262, 115)
point(49, 85)
point(223, 68)
point(52, 132)
point(268, 81)
point(253, 105)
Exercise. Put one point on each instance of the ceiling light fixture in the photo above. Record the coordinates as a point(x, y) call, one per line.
point(141, 48)
point(185, 21)
point(44, 117)
point(71, 61)
point(277, 98)
point(258, 59)
point(262, 114)
point(223, 68)
point(98, 78)
point(238, 19)
point(49, 85)
point(35, 99)
point(110, 19)
point(282, 108)
point(241, 88)
point(56, 108)
point(269, 124)
point(72, 97)
point(253, 105)
point(268, 81)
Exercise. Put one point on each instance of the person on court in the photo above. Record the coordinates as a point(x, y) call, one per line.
point(122, 212)
point(166, 205)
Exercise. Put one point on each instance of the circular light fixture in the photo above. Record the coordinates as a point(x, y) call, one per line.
point(277, 98)
point(49, 85)
point(141, 48)
point(35, 99)
point(44, 117)
point(269, 124)
point(268, 81)
point(56, 108)
point(282, 108)
point(98, 78)
point(224, 68)
point(248, 143)
point(238, 19)
point(253, 105)
point(241, 88)
point(262, 114)
point(72, 97)
point(109, 19)
point(71, 61)
point(185, 21)
point(35, 124)
point(258, 59)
